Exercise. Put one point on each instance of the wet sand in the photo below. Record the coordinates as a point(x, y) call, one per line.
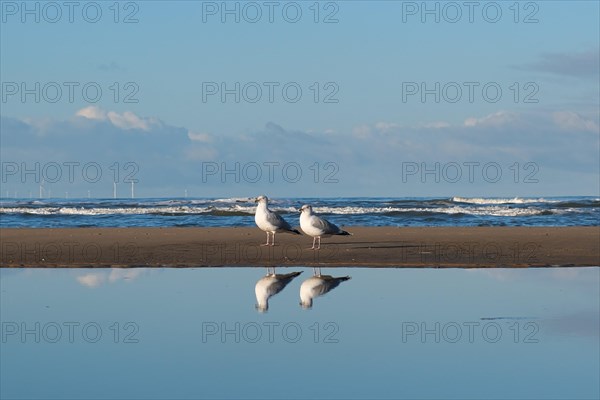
point(444, 247)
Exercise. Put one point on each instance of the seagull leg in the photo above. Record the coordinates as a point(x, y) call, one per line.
point(266, 244)
point(319, 245)
point(273, 241)
point(313, 247)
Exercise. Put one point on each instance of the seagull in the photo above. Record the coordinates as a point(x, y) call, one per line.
point(269, 285)
point(317, 285)
point(269, 221)
point(316, 226)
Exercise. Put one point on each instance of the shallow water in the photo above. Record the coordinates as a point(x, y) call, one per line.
point(385, 333)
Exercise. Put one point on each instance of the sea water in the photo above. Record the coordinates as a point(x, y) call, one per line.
point(160, 212)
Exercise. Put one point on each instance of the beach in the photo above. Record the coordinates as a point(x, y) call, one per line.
point(436, 247)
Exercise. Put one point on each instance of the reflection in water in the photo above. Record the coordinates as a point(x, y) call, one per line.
point(269, 285)
point(318, 285)
point(95, 279)
point(553, 353)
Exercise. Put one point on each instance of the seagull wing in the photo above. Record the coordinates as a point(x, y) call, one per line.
point(281, 281)
point(325, 226)
point(276, 287)
point(276, 220)
point(329, 283)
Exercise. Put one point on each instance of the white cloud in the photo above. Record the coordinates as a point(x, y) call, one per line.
point(126, 120)
point(93, 279)
point(436, 125)
point(200, 137)
point(129, 120)
point(92, 112)
point(386, 126)
point(117, 274)
point(362, 131)
point(570, 120)
point(496, 119)
point(41, 125)
point(170, 156)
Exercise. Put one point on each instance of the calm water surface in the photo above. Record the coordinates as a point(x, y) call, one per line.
point(385, 333)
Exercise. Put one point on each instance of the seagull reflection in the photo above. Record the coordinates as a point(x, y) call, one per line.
point(318, 285)
point(269, 285)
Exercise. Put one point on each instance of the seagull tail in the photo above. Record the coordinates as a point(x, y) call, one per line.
point(296, 231)
point(292, 275)
point(344, 233)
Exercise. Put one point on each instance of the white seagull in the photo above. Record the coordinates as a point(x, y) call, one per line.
point(269, 221)
point(318, 285)
point(269, 285)
point(316, 226)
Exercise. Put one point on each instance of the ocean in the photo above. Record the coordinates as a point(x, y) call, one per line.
point(357, 211)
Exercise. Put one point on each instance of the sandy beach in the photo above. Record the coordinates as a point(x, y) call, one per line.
point(451, 247)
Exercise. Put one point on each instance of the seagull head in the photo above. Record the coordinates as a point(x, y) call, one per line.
point(306, 209)
point(261, 199)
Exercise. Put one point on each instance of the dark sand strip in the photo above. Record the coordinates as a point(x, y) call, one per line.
point(462, 247)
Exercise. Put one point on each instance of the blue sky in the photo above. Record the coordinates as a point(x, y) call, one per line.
point(366, 126)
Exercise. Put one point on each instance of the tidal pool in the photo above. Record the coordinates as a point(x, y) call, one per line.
point(384, 333)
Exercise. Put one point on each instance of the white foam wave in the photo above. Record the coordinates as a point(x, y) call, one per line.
point(489, 210)
point(515, 200)
point(234, 200)
point(103, 211)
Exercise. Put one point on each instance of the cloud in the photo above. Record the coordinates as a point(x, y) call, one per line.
point(125, 274)
point(126, 120)
point(496, 119)
point(571, 121)
point(362, 131)
point(368, 156)
point(386, 126)
point(92, 112)
point(577, 64)
point(436, 125)
point(92, 279)
point(200, 137)
point(95, 279)
point(121, 146)
point(129, 120)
